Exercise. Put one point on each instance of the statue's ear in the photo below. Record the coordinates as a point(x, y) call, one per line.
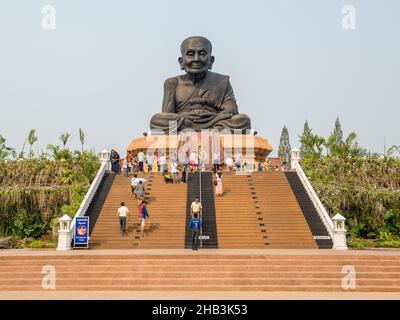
point(180, 60)
point(212, 59)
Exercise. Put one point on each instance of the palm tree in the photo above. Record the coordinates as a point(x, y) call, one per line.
point(32, 138)
point(54, 151)
point(392, 150)
point(82, 137)
point(64, 138)
point(5, 151)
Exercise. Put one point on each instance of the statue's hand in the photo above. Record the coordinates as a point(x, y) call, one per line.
point(223, 116)
point(208, 114)
point(205, 117)
point(219, 117)
point(191, 117)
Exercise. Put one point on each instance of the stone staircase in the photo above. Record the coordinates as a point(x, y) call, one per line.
point(237, 222)
point(257, 211)
point(208, 270)
point(166, 206)
point(278, 212)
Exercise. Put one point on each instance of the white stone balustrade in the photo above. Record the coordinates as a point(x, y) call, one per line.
point(334, 226)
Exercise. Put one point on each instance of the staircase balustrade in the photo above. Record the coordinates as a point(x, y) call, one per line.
point(338, 235)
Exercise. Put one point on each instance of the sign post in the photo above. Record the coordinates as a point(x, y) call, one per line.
point(81, 234)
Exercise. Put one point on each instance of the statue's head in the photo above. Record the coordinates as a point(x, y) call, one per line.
point(196, 55)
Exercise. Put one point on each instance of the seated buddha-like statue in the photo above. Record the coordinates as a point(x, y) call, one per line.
point(199, 99)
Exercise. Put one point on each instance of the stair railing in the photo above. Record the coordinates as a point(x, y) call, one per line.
point(90, 194)
point(335, 225)
point(324, 215)
point(201, 215)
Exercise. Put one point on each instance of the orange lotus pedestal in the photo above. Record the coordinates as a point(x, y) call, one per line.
point(253, 148)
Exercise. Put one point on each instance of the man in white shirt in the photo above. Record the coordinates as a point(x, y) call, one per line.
point(163, 163)
point(238, 160)
point(150, 162)
point(196, 207)
point(174, 172)
point(229, 163)
point(134, 183)
point(141, 159)
point(216, 161)
point(122, 212)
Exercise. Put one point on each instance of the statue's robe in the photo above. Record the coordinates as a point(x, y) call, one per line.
point(208, 104)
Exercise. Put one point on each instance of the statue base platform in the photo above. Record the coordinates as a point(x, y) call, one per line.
point(254, 149)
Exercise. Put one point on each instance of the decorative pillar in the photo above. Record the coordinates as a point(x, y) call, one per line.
point(339, 232)
point(295, 158)
point(64, 233)
point(105, 158)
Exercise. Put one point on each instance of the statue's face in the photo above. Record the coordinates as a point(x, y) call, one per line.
point(196, 56)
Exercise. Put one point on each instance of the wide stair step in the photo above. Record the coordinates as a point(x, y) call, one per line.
point(185, 271)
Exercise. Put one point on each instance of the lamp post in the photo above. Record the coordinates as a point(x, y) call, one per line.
point(105, 158)
point(339, 232)
point(295, 158)
point(64, 233)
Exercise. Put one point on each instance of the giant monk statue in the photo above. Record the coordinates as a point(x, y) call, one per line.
point(199, 99)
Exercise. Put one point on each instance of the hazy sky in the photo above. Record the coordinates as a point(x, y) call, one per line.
point(103, 67)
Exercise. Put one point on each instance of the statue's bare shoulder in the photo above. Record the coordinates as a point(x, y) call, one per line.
point(218, 77)
point(171, 82)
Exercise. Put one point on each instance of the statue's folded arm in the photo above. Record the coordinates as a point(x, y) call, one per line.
point(229, 102)
point(169, 105)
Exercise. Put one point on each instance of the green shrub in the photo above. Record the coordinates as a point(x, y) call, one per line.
point(44, 188)
point(28, 225)
point(354, 242)
point(363, 189)
point(38, 244)
point(391, 220)
point(388, 239)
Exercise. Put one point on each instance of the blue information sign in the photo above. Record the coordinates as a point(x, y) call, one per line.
point(81, 236)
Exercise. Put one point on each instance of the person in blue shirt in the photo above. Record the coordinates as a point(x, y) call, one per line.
point(260, 168)
point(195, 225)
point(143, 215)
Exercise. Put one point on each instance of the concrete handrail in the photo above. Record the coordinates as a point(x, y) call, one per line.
point(90, 194)
point(326, 219)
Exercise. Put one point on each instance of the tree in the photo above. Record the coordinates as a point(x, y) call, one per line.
point(338, 132)
point(54, 151)
point(82, 137)
point(304, 148)
point(21, 155)
point(64, 138)
point(392, 150)
point(5, 151)
point(32, 138)
point(284, 146)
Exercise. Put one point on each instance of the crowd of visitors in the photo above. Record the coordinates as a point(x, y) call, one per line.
point(174, 167)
